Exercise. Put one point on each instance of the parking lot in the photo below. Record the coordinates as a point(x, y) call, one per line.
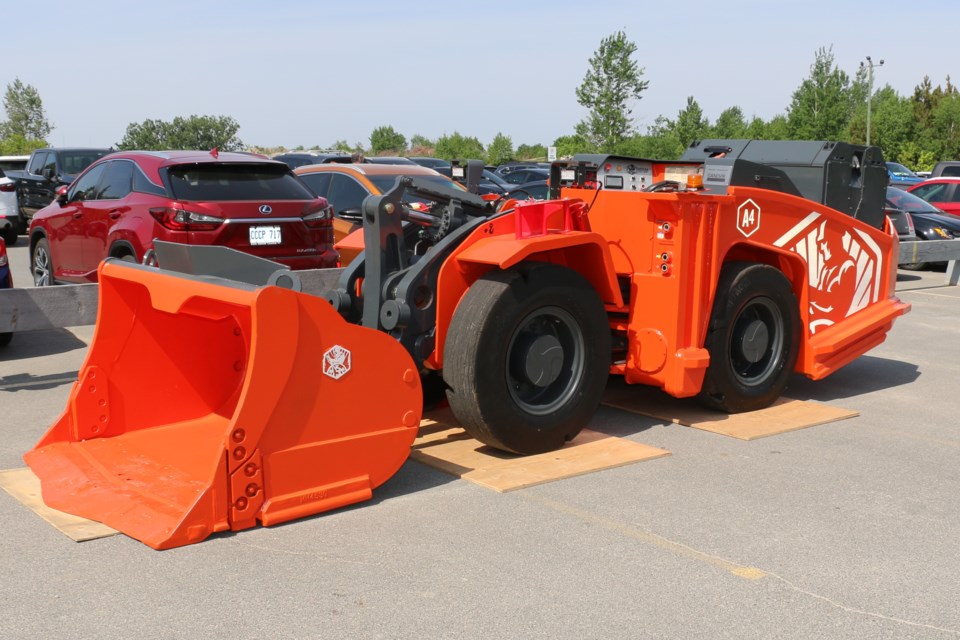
point(843, 530)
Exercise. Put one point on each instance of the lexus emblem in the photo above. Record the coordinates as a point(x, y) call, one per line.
point(266, 209)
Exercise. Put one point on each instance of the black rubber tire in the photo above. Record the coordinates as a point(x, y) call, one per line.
point(753, 338)
point(41, 264)
point(5, 338)
point(10, 235)
point(914, 266)
point(496, 345)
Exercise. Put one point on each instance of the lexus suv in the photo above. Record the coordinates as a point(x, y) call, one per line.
point(122, 202)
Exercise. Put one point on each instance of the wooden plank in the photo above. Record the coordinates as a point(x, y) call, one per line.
point(23, 485)
point(449, 449)
point(783, 416)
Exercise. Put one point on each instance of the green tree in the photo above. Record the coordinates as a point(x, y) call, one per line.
point(385, 138)
point(531, 152)
point(417, 140)
point(822, 105)
point(146, 135)
point(500, 150)
point(640, 146)
point(943, 134)
point(669, 138)
point(662, 140)
point(17, 145)
point(730, 124)
point(892, 125)
point(205, 132)
point(691, 124)
point(571, 145)
point(611, 82)
point(194, 132)
point(25, 115)
point(457, 146)
point(925, 99)
point(343, 145)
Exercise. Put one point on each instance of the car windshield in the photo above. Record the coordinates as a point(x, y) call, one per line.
point(899, 170)
point(73, 162)
point(495, 179)
point(211, 181)
point(900, 199)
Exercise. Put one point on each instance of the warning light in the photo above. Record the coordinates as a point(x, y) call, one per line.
point(694, 181)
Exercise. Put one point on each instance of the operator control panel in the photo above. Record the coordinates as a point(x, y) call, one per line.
point(616, 173)
point(626, 175)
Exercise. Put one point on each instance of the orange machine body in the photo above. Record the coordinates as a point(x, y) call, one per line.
point(655, 259)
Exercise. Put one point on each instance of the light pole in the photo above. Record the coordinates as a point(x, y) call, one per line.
point(870, 67)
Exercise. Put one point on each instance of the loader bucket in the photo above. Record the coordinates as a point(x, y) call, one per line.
point(206, 405)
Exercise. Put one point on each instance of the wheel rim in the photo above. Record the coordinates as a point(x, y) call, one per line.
point(545, 361)
point(41, 267)
point(757, 342)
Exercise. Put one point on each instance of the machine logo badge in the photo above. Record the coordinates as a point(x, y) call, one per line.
point(748, 218)
point(266, 209)
point(336, 362)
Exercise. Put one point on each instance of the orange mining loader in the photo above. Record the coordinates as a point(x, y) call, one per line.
point(208, 404)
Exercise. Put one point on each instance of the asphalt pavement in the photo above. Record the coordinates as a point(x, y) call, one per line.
point(844, 530)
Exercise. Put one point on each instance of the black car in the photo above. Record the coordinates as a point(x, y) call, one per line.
point(929, 223)
point(296, 159)
point(504, 169)
point(536, 190)
point(389, 160)
point(492, 183)
point(521, 176)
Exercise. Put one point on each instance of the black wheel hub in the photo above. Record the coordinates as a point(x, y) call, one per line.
point(542, 360)
point(757, 342)
point(545, 361)
point(754, 341)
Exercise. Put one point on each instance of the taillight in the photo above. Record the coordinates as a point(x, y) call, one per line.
point(3, 254)
point(318, 216)
point(183, 220)
point(8, 187)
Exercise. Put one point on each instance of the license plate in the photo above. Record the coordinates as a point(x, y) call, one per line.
point(264, 235)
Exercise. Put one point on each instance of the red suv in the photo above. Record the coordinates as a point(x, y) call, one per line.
point(122, 202)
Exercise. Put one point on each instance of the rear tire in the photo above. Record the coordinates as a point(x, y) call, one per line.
point(527, 357)
point(41, 264)
point(753, 338)
point(10, 235)
point(5, 338)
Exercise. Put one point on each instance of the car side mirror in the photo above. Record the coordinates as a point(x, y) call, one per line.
point(48, 173)
point(62, 196)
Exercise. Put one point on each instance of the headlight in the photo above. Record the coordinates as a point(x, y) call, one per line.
point(943, 233)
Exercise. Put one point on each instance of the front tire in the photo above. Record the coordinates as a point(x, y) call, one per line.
point(41, 264)
point(527, 357)
point(753, 338)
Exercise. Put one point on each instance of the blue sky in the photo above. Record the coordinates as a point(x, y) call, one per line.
point(300, 72)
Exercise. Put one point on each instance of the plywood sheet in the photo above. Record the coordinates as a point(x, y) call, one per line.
point(23, 485)
point(448, 448)
point(784, 415)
